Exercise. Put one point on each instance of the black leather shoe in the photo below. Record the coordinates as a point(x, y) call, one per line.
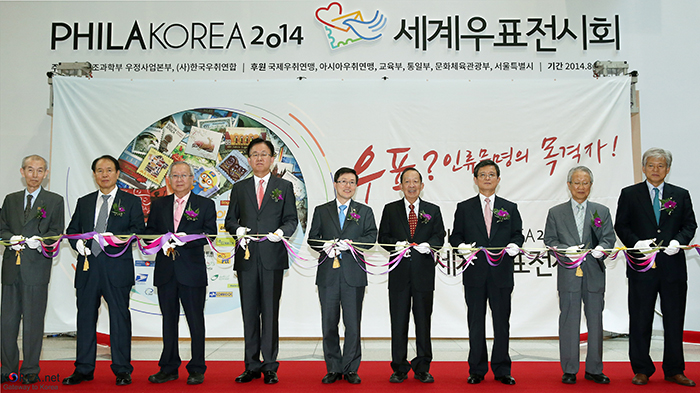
point(475, 378)
point(506, 380)
point(195, 378)
point(77, 378)
point(248, 376)
point(161, 377)
point(332, 377)
point(29, 379)
point(569, 378)
point(398, 377)
point(123, 379)
point(424, 377)
point(270, 377)
point(352, 377)
point(597, 378)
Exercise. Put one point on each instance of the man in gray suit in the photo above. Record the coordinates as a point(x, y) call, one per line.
point(27, 215)
point(573, 225)
point(341, 277)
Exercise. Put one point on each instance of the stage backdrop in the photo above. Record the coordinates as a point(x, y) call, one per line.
point(535, 129)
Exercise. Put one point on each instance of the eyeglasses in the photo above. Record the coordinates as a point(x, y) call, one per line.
point(178, 177)
point(346, 183)
point(487, 175)
point(583, 183)
point(260, 155)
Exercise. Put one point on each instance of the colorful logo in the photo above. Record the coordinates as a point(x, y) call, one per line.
point(141, 278)
point(13, 377)
point(143, 263)
point(348, 28)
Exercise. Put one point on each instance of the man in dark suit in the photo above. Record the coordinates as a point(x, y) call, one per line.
point(340, 278)
point(261, 204)
point(488, 221)
point(657, 213)
point(575, 224)
point(27, 215)
point(407, 221)
point(107, 211)
point(181, 275)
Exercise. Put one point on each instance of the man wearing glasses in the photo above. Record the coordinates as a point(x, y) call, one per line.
point(262, 205)
point(488, 221)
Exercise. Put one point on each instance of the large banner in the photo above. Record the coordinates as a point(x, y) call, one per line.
point(536, 130)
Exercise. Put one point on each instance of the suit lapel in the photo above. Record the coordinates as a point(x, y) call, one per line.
point(644, 200)
point(570, 223)
point(169, 215)
point(271, 185)
point(19, 209)
point(39, 202)
point(402, 216)
point(90, 205)
point(249, 188)
point(479, 212)
point(333, 213)
point(497, 204)
point(668, 193)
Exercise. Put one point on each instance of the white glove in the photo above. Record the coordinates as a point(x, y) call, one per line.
point(597, 252)
point(672, 248)
point(644, 245)
point(573, 249)
point(343, 245)
point(169, 245)
point(34, 243)
point(423, 248)
point(240, 234)
point(16, 239)
point(512, 249)
point(464, 248)
point(400, 246)
point(80, 247)
point(329, 249)
point(275, 237)
point(176, 241)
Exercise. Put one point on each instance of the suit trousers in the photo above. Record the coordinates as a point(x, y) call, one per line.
point(27, 303)
point(170, 295)
point(641, 301)
point(400, 308)
point(570, 329)
point(89, 299)
point(260, 291)
point(499, 301)
point(333, 298)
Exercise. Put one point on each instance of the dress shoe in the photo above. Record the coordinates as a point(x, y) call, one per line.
point(161, 377)
point(195, 378)
point(29, 379)
point(270, 377)
point(475, 378)
point(640, 379)
point(352, 377)
point(77, 378)
point(506, 380)
point(424, 377)
point(597, 378)
point(568, 378)
point(681, 380)
point(398, 377)
point(123, 379)
point(248, 376)
point(332, 377)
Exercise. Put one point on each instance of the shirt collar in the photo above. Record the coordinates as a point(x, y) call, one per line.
point(407, 205)
point(574, 204)
point(33, 194)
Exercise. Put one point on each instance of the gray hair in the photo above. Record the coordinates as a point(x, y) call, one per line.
point(170, 170)
point(580, 168)
point(34, 157)
point(656, 152)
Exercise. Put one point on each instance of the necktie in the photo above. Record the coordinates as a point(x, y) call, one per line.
point(101, 225)
point(28, 208)
point(579, 221)
point(657, 205)
point(341, 215)
point(488, 215)
point(261, 191)
point(178, 212)
point(412, 220)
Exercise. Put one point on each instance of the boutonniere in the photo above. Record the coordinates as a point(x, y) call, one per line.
point(277, 195)
point(41, 212)
point(191, 214)
point(424, 217)
point(668, 204)
point(501, 215)
point(353, 216)
point(117, 209)
point(596, 221)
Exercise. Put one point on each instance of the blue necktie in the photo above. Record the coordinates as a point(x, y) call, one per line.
point(657, 205)
point(341, 215)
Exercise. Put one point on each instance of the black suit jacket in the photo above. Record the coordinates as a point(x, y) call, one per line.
point(189, 266)
point(326, 226)
point(128, 223)
point(418, 269)
point(469, 227)
point(273, 214)
point(635, 221)
point(35, 268)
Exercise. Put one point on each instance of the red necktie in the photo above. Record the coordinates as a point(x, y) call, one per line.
point(488, 214)
point(412, 221)
point(261, 191)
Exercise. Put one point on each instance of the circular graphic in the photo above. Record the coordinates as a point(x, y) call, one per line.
point(13, 377)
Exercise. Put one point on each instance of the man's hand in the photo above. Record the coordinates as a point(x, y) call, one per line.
point(176, 241)
point(644, 245)
point(573, 249)
point(276, 236)
point(672, 248)
point(464, 248)
point(423, 248)
point(34, 243)
point(241, 235)
point(14, 240)
point(329, 248)
point(402, 245)
point(512, 249)
point(597, 252)
point(168, 246)
point(343, 245)
point(80, 247)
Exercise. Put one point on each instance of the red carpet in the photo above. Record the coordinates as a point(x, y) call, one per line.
point(297, 376)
